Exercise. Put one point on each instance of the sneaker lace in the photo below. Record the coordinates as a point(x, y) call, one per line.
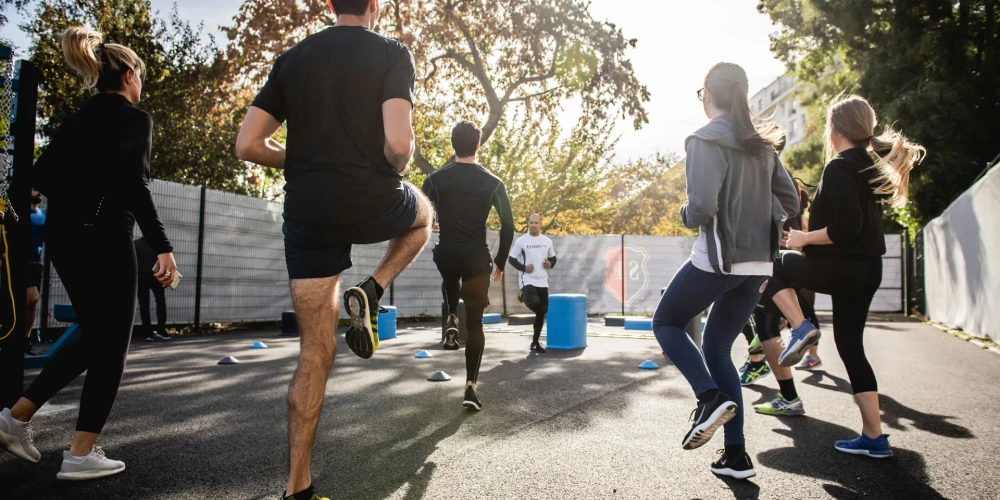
point(98, 453)
point(29, 433)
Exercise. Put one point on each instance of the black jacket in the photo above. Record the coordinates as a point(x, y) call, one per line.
point(95, 172)
point(847, 206)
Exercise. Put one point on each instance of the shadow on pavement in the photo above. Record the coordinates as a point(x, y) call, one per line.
point(742, 489)
point(894, 412)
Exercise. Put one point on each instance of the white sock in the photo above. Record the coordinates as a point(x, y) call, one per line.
point(80, 459)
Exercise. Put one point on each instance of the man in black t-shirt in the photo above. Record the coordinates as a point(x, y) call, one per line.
point(345, 95)
point(463, 194)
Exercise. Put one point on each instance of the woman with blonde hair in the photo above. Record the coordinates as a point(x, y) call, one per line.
point(95, 173)
point(842, 251)
point(739, 194)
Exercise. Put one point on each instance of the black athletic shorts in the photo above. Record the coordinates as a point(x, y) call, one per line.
point(323, 251)
point(35, 275)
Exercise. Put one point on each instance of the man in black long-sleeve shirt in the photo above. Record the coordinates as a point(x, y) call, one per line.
point(463, 193)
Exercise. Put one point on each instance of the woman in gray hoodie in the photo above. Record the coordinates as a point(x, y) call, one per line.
point(739, 195)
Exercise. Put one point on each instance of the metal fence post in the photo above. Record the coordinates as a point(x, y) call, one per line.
point(623, 274)
point(503, 293)
point(201, 248)
point(906, 272)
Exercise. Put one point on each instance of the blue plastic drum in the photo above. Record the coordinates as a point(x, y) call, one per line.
point(387, 323)
point(567, 321)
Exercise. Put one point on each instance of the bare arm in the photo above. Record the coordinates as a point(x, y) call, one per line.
point(397, 116)
point(254, 143)
point(799, 239)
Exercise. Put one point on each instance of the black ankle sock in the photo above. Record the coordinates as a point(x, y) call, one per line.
point(788, 389)
point(305, 494)
point(734, 451)
point(707, 395)
point(378, 288)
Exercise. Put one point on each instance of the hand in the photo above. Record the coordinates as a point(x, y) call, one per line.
point(497, 274)
point(168, 267)
point(435, 228)
point(530, 268)
point(547, 265)
point(795, 239)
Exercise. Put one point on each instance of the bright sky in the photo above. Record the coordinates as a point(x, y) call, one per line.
point(678, 42)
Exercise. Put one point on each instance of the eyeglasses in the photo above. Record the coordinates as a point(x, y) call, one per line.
point(701, 94)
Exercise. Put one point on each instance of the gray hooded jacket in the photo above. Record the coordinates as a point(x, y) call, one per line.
point(737, 201)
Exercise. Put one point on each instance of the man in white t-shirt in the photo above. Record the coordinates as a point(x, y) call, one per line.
point(533, 255)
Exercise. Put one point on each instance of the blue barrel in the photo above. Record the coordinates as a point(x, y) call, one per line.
point(387, 323)
point(567, 321)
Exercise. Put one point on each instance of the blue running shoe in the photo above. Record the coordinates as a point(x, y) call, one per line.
point(864, 445)
point(803, 337)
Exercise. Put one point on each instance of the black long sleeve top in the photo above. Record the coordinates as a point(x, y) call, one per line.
point(463, 194)
point(95, 172)
point(847, 206)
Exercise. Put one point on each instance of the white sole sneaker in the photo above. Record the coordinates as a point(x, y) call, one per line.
point(795, 352)
point(88, 474)
point(865, 453)
point(13, 445)
point(738, 474)
point(701, 434)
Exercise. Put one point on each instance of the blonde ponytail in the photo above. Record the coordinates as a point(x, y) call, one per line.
point(79, 45)
point(854, 118)
point(100, 64)
point(897, 156)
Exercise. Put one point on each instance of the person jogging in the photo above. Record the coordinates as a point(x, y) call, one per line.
point(463, 194)
point(345, 94)
point(95, 174)
point(842, 251)
point(739, 195)
point(533, 256)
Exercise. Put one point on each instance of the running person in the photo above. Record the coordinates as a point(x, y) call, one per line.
point(463, 193)
point(734, 178)
point(35, 269)
point(95, 173)
point(533, 255)
point(843, 251)
point(345, 94)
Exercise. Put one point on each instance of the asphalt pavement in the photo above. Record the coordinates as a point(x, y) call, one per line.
point(581, 424)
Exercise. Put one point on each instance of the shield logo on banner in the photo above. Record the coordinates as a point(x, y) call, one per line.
point(625, 275)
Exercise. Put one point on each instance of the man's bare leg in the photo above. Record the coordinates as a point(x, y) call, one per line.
point(316, 308)
point(405, 249)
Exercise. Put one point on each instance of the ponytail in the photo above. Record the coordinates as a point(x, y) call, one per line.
point(854, 118)
point(100, 65)
point(728, 84)
point(897, 156)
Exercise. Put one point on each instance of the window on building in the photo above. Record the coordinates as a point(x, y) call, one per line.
point(795, 107)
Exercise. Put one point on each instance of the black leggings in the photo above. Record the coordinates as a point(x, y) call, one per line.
point(148, 283)
point(540, 310)
point(99, 273)
point(852, 285)
point(461, 269)
point(766, 318)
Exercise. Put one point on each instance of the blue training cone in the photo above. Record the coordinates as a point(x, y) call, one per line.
point(648, 365)
point(423, 355)
point(258, 345)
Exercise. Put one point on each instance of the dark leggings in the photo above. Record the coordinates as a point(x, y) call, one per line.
point(99, 273)
point(148, 283)
point(852, 285)
point(766, 319)
point(540, 310)
point(466, 270)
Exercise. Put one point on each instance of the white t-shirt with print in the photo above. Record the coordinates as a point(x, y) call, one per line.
point(535, 250)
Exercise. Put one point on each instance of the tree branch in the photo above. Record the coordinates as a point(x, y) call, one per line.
point(535, 78)
point(538, 94)
point(422, 163)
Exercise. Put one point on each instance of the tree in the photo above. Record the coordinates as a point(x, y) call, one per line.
point(932, 69)
point(475, 58)
point(184, 88)
point(644, 197)
point(17, 4)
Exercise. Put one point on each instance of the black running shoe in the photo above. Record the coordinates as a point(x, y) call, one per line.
point(707, 418)
point(362, 306)
point(472, 401)
point(738, 467)
point(537, 348)
point(451, 334)
point(29, 350)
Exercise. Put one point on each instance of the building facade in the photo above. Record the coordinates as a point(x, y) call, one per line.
point(779, 101)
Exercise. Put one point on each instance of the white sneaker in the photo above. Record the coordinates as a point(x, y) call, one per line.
point(16, 437)
point(91, 466)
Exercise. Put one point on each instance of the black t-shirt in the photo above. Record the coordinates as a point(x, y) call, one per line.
point(847, 206)
point(330, 88)
point(463, 194)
